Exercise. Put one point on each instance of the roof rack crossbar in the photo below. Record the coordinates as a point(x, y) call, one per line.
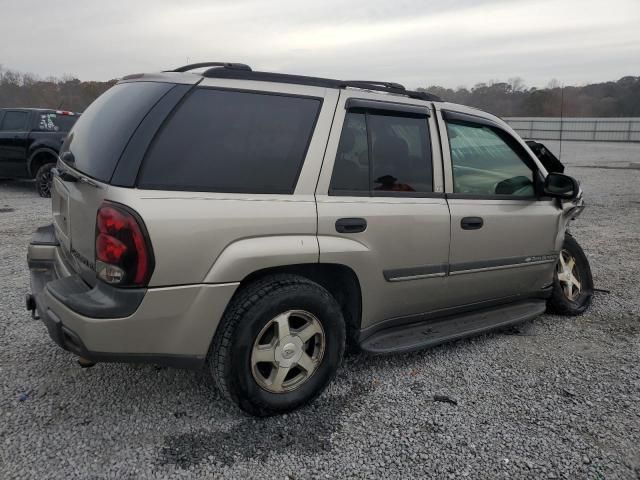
point(389, 87)
point(230, 65)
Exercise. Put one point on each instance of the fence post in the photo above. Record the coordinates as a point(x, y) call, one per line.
point(629, 131)
point(531, 129)
point(595, 129)
point(561, 129)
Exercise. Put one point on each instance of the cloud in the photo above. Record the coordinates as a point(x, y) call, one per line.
point(460, 42)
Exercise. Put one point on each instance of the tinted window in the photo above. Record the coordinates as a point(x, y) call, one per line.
point(54, 122)
point(14, 121)
point(484, 163)
point(400, 155)
point(351, 170)
point(228, 141)
point(103, 130)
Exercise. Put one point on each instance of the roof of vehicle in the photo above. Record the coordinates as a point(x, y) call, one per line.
point(240, 71)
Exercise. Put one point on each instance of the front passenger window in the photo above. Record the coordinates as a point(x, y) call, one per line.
point(485, 164)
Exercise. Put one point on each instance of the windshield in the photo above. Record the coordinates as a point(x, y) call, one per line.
point(99, 136)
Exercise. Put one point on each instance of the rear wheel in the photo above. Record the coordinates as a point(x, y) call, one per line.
point(44, 176)
point(278, 346)
point(572, 281)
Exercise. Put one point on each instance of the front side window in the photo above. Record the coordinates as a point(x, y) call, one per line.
point(383, 152)
point(232, 141)
point(485, 164)
point(14, 121)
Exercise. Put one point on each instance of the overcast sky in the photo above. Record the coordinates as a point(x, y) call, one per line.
point(419, 43)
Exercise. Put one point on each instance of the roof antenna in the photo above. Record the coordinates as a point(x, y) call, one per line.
point(561, 119)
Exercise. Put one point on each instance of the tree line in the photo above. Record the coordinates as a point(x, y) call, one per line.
point(29, 91)
point(513, 99)
point(507, 99)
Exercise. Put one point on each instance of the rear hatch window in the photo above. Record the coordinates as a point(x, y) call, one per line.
point(100, 135)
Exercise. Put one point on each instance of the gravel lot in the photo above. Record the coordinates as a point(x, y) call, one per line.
point(555, 398)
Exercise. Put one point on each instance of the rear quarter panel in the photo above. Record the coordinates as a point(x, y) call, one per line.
point(222, 237)
point(190, 232)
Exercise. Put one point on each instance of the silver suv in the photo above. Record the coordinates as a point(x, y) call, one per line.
point(256, 223)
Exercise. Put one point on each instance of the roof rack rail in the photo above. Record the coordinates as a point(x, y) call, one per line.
point(230, 65)
point(388, 87)
point(391, 85)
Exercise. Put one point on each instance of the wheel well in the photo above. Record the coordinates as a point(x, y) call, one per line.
point(39, 159)
point(339, 280)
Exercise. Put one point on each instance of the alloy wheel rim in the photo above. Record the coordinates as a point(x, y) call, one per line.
point(45, 184)
point(568, 276)
point(287, 351)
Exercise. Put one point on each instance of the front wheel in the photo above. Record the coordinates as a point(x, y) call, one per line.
point(44, 176)
point(278, 346)
point(572, 281)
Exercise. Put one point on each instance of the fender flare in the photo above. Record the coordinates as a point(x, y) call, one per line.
point(36, 152)
point(249, 255)
point(245, 256)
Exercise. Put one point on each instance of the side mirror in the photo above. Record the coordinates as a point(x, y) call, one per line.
point(561, 186)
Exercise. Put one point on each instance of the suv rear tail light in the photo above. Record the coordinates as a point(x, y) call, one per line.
point(123, 251)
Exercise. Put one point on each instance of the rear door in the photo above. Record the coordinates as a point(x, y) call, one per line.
point(13, 143)
point(504, 238)
point(381, 205)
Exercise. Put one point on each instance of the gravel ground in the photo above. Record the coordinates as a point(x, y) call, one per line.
point(554, 398)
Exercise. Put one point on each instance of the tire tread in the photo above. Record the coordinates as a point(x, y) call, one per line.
point(220, 352)
point(558, 304)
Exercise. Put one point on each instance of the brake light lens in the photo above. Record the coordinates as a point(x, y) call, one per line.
point(123, 251)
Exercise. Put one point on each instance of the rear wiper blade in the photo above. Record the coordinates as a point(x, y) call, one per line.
point(70, 176)
point(68, 157)
point(65, 175)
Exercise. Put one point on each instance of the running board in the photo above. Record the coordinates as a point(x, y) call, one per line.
point(429, 333)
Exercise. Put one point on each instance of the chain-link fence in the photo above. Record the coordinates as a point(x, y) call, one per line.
point(585, 129)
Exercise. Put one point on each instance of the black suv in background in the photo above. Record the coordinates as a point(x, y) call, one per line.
point(30, 139)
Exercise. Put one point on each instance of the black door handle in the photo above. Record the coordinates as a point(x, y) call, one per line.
point(351, 225)
point(471, 223)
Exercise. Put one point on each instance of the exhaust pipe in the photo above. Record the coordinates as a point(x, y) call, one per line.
point(85, 362)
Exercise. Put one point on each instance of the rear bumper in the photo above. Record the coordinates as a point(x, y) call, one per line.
point(170, 326)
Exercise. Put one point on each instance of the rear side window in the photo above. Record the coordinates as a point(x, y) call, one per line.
point(14, 121)
point(103, 130)
point(231, 141)
point(55, 122)
point(351, 170)
point(383, 153)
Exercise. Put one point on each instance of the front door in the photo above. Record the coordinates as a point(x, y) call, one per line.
point(381, 205)
point(504, 238)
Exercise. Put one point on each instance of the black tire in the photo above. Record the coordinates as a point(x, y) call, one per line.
point(249, 312)
point(44, 176)
point(559, 303)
